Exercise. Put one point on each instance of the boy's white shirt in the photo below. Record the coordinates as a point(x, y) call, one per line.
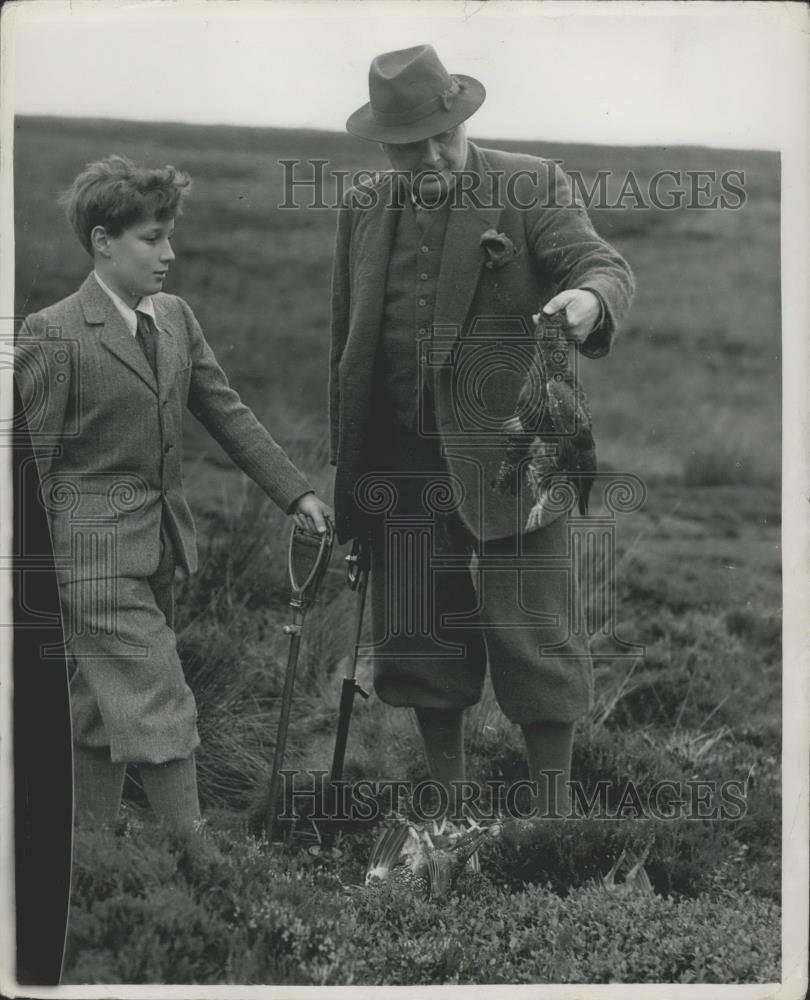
point(145, 305)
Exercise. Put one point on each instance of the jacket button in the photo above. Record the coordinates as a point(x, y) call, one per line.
point(425, 249)
point(423, 302)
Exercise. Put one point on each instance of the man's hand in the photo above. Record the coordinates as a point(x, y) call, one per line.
point(583, 311)
point(312, 514)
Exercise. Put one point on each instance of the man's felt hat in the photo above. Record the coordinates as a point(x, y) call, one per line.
point(413, 97)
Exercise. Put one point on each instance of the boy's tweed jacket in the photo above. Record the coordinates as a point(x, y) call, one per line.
point(108, 437)
point(556, 249)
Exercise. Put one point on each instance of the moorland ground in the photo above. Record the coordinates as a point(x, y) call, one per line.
point(689, 400)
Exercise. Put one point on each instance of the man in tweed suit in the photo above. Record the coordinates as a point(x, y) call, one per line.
point(105, 376)
point(440, 266)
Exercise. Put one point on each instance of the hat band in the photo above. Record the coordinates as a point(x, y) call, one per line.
point(444, 100)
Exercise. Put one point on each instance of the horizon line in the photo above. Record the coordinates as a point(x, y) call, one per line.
point(312, 129)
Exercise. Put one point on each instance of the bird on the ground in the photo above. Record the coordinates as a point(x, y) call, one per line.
point(434, 854)
point(636, 879)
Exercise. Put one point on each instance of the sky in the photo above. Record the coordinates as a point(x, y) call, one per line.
point(628, 73)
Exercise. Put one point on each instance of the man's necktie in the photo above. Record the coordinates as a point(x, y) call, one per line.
point(145, 336)
point(423, 217)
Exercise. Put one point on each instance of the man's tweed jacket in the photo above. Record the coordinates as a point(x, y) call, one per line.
point(482, 327)
point(108, 437)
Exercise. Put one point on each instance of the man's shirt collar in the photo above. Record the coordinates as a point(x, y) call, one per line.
point(145, 305)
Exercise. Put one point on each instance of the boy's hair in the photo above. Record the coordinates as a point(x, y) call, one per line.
point(115, 193)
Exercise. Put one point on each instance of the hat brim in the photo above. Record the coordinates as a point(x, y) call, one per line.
point(363, 123)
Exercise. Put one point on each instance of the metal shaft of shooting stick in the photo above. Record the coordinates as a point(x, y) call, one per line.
point(294, 631)
point(358, 580)
point(307, 561)
point(349, 688)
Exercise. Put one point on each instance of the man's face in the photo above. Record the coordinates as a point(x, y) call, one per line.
point(431, 163)
point(136, 262)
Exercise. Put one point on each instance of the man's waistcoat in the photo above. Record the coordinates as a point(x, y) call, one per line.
point(409, 303)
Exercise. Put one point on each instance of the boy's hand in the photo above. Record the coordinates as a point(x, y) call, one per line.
point(312, 514)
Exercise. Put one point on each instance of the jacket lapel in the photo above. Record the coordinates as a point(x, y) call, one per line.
point(373, 238)
point(168, 356)
point(100, 311)
point(462, 257)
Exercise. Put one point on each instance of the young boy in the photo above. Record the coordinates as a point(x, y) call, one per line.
point(104, 377)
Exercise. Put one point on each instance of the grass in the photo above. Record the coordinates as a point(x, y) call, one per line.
point(689, 400)
point(235, 909)
point(229, 910)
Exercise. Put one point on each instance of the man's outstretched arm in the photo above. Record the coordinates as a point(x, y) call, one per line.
point(590, 277)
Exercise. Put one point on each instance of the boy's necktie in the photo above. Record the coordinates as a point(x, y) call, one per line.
point(145, 335)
